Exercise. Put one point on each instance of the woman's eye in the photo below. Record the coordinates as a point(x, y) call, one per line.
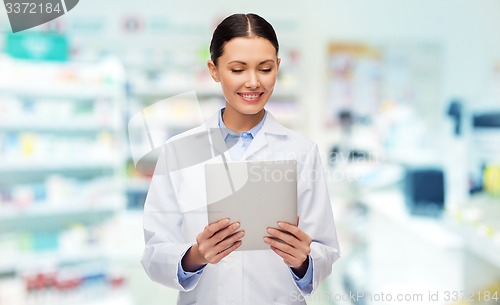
point(236, 70)
point(266, 70)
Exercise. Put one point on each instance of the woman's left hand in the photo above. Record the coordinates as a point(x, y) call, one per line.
point(293, 245)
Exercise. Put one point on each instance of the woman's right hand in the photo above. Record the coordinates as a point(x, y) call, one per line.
point(215, 242)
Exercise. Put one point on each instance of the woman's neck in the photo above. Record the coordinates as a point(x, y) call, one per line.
point(239, 122)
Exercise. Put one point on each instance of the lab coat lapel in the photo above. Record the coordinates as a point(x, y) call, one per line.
point(217, 142)
point(262, 139)
point(256, 145)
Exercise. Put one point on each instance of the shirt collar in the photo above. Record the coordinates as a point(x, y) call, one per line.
point(271, 125)
point(226, 132)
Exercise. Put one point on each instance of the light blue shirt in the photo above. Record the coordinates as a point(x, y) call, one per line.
point(237, 145)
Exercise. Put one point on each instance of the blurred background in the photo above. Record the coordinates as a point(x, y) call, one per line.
point(402, 97)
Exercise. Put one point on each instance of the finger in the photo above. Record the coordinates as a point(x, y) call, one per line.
point(287, 258)
point(211, 250)
point(224, 233)
point(217, 258)
point(228, 241)
point(282, 246)
point(296, 231)
point(299, 254)
point(213, 228)
point(284, 236)
point(303, 246)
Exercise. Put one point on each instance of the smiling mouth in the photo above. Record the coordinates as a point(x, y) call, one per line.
point(252, 96)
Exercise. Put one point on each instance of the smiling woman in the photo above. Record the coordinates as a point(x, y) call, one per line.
point(247, 73)
point(198, 258)
point(244, 60)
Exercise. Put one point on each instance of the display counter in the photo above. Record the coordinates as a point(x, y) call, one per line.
point(443, 260)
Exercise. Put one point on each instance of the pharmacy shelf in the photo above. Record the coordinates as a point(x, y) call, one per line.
point(98, 296)
point(71, 92)
point(123, 299)
point(53, 218)
point(93, 298)
point(64, 140)
point(389, 205)
point(138, 184)
point(16, 166)
point(63, 126)
point(152, 91)
point(181, 121)
point(477, 222)
point(15, 262)
point(481, 245)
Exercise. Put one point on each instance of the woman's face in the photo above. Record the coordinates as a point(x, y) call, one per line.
point(247, 72)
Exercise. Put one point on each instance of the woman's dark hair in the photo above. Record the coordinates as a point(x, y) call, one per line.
point(241, 25)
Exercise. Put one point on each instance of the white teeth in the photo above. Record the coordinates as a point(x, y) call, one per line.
point(250, 96)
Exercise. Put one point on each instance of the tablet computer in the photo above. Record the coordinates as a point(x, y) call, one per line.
point(257, 194)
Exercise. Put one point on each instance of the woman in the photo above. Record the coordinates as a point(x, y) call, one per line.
point(199, 259)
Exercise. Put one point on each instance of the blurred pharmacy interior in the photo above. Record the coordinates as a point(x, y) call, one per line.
point(402, 97)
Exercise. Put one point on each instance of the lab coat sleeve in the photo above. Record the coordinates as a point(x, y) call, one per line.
point(186, 278)
point(304, 283)
point(164, 244)
point(316, 219)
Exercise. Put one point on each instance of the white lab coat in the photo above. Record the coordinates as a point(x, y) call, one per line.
point(175, 213)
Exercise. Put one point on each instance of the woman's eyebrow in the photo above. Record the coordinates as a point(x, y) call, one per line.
point(244, 63)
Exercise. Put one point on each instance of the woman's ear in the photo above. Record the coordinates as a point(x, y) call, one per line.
point(213, 70)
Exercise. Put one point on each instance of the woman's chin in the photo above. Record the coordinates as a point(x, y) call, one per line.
point(251, 110)
point(248, 109)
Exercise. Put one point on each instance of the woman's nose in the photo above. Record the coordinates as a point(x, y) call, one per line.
point(252, 81)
